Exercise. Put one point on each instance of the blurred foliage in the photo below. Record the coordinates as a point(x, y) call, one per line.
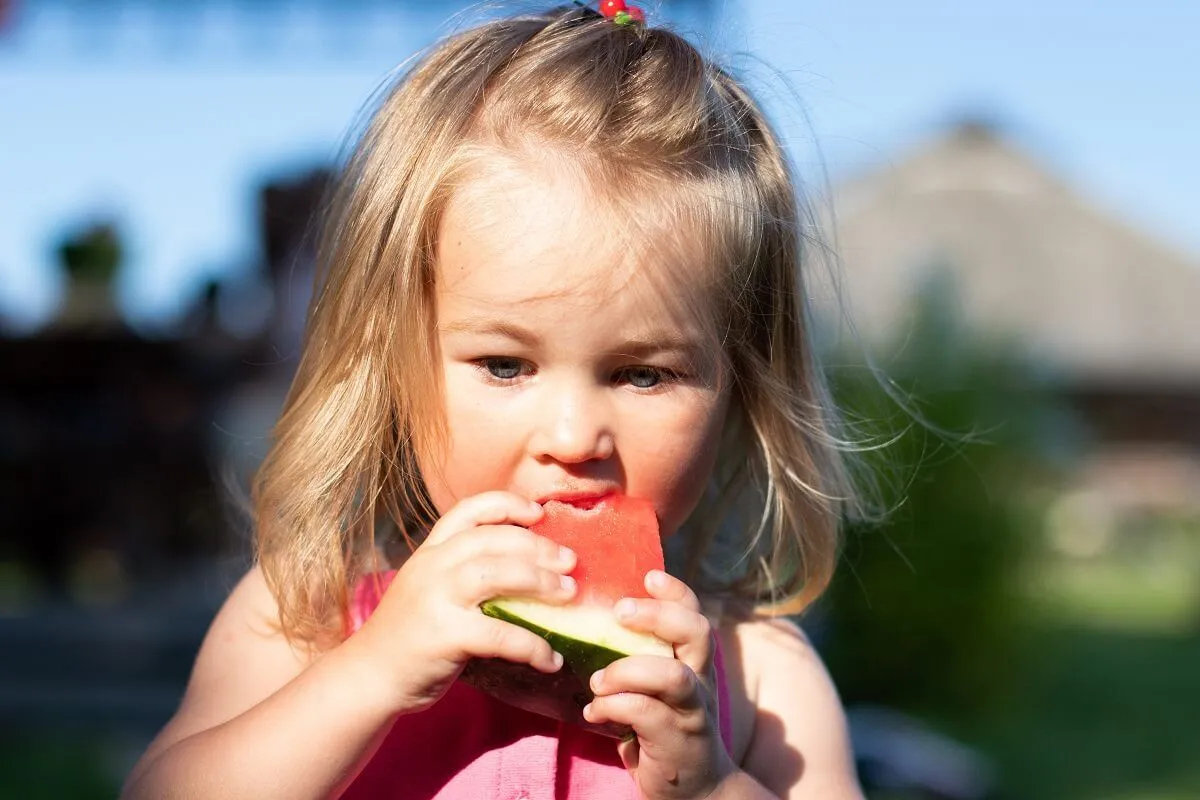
point(924, 613)
point(92, 255)
point(1103, 714)
point(64, 766)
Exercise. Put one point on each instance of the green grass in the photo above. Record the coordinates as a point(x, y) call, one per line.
point(1109, 704)
point(1153, 588)
point(1103, 715)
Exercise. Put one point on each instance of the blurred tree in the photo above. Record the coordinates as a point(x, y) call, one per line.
point(923, 615)
point(92, 255)
point(90, 258)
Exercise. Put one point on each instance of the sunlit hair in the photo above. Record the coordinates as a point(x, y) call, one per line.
point(659, 131)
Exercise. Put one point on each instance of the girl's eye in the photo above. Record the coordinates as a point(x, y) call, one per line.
point(505, 369)
point(644, 377)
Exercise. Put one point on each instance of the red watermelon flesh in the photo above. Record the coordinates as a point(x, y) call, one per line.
point(616, 542)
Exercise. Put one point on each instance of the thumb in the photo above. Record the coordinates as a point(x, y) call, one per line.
point(630, 751)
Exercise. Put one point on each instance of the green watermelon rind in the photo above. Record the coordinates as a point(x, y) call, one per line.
point(585, 632)
point(584, 658)
point(560, 695)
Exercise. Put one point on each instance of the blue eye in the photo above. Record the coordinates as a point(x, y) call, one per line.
point(642, 377)
point(504, 369)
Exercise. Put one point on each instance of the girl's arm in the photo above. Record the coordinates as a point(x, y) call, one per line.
point(260, 719)
point(800, 745)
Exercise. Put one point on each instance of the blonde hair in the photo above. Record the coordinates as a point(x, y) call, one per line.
point(638, 109)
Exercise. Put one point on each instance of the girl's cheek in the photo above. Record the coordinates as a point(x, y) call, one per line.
point(676, 476)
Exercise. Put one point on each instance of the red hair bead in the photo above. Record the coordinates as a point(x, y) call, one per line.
point(610, 8)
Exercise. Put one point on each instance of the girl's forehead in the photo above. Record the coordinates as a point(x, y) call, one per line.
point(522, 233)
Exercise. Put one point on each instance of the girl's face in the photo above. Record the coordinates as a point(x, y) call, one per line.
point(568, 372)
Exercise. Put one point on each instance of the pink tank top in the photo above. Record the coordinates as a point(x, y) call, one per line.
point(470, 746)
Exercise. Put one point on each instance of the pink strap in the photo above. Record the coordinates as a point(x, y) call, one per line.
point(365, 597)
point(724, 719)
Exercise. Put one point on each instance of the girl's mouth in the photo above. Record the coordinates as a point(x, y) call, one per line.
point(582, 500)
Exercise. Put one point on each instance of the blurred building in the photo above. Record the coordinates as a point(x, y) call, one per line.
point(118, 454)
point(1112, 313)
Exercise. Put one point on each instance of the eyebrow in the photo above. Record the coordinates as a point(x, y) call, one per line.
point(655, 342)
point(493, 327)
point(659, 343)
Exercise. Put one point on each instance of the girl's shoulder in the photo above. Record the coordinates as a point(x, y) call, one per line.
point(245, 632)
point(743, 637)
point(243, 659)
point(788, 722)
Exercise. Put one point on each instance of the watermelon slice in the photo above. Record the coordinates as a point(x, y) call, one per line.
point(617, 542)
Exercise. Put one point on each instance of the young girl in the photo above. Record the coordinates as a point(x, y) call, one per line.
point(562, 263)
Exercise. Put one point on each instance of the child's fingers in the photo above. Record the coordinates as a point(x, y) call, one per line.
point(485, 577)
point(667, 679)
point(485, 637)
point(671, 622)
point(664, 586)
point(630, 751)
point(673, 602)
point(488, 508)
point(509, 540)
point(650, 718)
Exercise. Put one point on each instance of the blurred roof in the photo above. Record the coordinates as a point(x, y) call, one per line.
point(1028, 256)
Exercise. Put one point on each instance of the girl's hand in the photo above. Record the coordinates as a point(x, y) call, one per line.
point(428, 624)
point(670, 703)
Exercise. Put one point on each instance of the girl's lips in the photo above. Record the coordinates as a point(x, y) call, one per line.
point(578, 499)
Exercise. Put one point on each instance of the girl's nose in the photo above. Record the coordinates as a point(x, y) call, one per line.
point(575, 427)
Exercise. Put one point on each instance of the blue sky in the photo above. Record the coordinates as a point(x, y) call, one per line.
point(169, 119)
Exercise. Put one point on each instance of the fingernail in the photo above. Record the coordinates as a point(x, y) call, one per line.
point(597, 679)
point(567, 583)
point(557, 659)
point(587, 712)
point(656, 578)
point(566, 555)
point(625, 608)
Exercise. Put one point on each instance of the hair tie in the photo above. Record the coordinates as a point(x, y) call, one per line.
point(618, 12)
point(621, 14)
